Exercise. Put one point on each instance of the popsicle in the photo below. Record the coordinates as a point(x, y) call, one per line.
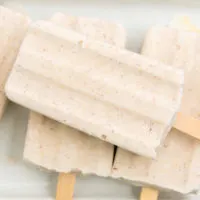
point(42, 143)
point(111, 93)
point(92, 28)
point(177, 166)
point(61, 148)
point(13, 26)
point(58, 147)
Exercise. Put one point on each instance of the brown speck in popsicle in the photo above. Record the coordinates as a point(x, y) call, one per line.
point(150, 126)
point(104, 137)
point(80, 42)
point(165, 145)
point(178, 46)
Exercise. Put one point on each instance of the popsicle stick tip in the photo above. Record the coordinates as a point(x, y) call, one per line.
point(65, 186)
point(187, 124)
point(149, 194)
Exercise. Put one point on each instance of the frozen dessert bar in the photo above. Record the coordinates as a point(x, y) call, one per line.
point(13, 27)
point(108, 92)
point(58, 147)
point(93, 29)
point(183, 50)
point(61, 148)
point(177, 166)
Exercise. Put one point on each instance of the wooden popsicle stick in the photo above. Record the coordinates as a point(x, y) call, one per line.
point(149, 194)
point(65, 186)
point(188, 125)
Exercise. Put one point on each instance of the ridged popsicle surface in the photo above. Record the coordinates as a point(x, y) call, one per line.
point(58, 147)
point(13, 26)
point(108, 92)
point(177, 166)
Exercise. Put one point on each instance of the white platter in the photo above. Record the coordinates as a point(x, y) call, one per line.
point(19, 180)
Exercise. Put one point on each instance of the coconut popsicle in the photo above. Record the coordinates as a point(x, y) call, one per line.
point(92, 28)
point(108, 92)
point(13, 26)
point(177, 165)
point(58, 147)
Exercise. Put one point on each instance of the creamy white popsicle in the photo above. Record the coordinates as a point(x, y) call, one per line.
point(58, 147)
point(92, 28)
point(108, 92)
point(13, 26)
point(177, 166)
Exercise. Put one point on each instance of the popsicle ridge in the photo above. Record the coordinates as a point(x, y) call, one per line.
point(100, 89)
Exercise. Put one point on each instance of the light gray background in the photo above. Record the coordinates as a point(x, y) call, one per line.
point(21, 180)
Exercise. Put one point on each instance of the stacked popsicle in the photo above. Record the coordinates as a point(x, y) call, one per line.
point(87, 93)
point(59, 147)
point(13, 28)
